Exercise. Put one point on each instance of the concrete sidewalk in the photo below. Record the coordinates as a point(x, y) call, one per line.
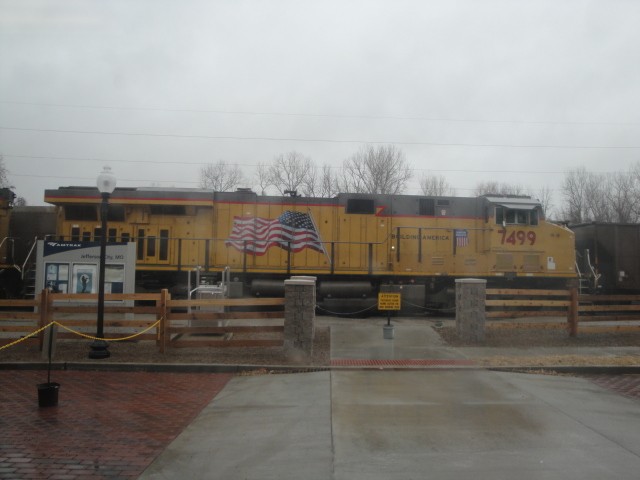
point(385, 423)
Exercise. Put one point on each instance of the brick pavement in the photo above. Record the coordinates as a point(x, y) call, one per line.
point(106, 425)
point(627, 385)
point(399, 362)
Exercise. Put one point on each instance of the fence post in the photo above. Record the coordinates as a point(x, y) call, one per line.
point(299, 316)
point(573, 312)
point(470, 308)
point(162, 313)
point(44, 316)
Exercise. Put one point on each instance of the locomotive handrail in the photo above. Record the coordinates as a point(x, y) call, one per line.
point(596, 276)
point(22, 270)
point(13, 265)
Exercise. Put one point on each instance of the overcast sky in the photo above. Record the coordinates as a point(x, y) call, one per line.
point(475, 90)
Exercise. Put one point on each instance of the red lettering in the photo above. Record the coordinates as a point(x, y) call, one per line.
point(517, 236)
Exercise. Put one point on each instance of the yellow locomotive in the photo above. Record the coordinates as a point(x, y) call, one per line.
point(356, 244)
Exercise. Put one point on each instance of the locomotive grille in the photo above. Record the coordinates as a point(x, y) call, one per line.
point(531, 263)
point(504, 261)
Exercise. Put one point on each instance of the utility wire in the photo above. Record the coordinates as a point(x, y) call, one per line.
point(319, 115)
point(317, 140)
point(176, 162)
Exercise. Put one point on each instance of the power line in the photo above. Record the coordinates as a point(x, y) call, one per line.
point(253, 165)
point(146, 180)
point(319, 115)
point(318, 140)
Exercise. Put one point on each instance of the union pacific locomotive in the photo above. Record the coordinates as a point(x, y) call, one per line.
point(355, 244)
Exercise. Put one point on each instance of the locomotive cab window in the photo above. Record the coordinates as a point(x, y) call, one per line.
point(512, 216)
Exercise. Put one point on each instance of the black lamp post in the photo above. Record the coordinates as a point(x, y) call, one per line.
point(106, 186)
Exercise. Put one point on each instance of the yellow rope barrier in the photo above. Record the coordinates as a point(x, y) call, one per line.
point(107, 339)
point(79, 334)
point(26, 337)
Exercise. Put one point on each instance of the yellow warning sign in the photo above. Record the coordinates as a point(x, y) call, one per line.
point(389, 301)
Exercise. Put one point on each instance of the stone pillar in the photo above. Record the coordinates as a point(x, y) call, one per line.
point(299, 315)
point(470, 309)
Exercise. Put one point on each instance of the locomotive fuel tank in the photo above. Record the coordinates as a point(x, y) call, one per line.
point(345, 289)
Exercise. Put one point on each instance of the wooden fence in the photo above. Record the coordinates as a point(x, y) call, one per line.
point(205, 323)
point(572, 309)
point(192, 323)
point(170, 323)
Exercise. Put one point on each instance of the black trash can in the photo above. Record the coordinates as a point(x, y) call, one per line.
point(48, 394)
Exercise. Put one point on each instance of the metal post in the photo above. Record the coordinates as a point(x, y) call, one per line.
point(99, 348)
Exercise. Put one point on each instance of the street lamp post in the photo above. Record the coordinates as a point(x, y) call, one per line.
point(106, 185)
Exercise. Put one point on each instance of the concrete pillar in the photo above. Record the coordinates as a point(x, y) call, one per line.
point(470, 309)
point(299, 316)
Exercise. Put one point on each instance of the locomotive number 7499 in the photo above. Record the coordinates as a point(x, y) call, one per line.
point(517, 237)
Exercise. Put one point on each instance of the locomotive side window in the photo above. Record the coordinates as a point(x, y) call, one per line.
point(168, 210)
point(86, 236)
point(360, 205)
point(426, 207)
point(112, 235)
point(116, 213)
point(151, 246)
point(126, 237)
point(75, 234)
point(81, 213)
point(164, 244)
point(140, 247)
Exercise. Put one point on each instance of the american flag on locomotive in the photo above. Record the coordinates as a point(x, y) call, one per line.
point(291, 230)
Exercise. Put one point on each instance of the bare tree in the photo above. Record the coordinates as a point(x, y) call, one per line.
point(587, 196)
point(499, 189)
point(289, 171)
point(545, 197)
point(4, 180)
point(602, 197)
point(220, 177)
point(328, 182)
point(598, 207)
point(436, 186)
point(620, 194)
point(382, 169)
point(310, 184)
point(634, 173)
point(574, 190)
point(263, 178)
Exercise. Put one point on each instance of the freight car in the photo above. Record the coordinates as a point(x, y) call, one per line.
point(355, 244)
point(608, 257)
